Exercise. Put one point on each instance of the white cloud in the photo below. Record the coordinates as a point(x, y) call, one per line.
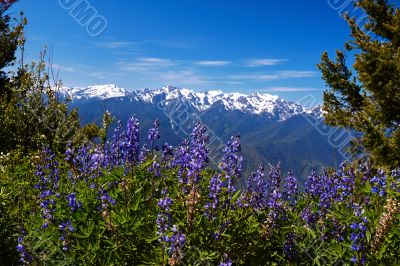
point(115, 45)
point(213, 63)
point(233, 82)
point(146, 64)
point(264, 62)
point(183, 78)
point(62, 68)
point(174, 43)
point(154, 60)
point(297, 74)
point(276, 76)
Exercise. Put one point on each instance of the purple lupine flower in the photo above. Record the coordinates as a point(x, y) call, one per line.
point(155, 168)
point(106, 200)
point(308, 217)
point(112, 184)
point(46, 193)
point(345, 183)
point(177, 243)
point(144, 152)
point(337, 230)
point(274, 204)
point(96, 160)
point(396, 173)
point(365, 168)
point(132, 141)
point(45, 225)
point(164, 217)
point(198, 153)
point(80, 161)
point(182, 160)
point(226, 261)
point(378, 183)
point(25, 257)
point(330, 186)
point(358, 210)
point(357, 261)
point(396, 182)
point(66, 225)
point(290, 190)
point(326, 189)
point(65, 228)
point(154, 133)
point(216, 235)
point(165, 204)
point(274, 178)
point(314, 185)
point(167, 153)
point(116, 149)
point(358, 239)
point(69, 153)
point(71, 177)
point(289, 247)
point(108, 161)
point(274, 201)
point(190, 157)
point(72, 203)
point(215, 190)
point(257, 189)
point(89, 162)
point(231, 163)
point(48, 185)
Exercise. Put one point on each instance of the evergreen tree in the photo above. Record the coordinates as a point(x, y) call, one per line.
point(366, 98)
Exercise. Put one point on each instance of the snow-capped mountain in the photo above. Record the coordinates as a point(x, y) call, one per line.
point(98, 91)
point(256, 103)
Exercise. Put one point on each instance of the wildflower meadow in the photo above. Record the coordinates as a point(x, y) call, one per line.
point(127, 202)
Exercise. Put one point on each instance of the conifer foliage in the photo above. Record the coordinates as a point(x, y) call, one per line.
point(366, 98)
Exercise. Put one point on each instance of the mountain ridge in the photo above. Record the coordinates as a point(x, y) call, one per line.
point(254, 103)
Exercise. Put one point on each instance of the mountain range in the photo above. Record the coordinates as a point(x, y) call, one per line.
point(272, 129)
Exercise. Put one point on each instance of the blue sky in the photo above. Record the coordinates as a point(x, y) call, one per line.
point(235, 45)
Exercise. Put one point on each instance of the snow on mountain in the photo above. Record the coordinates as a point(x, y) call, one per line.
point(255, 103)
point(98, 91)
